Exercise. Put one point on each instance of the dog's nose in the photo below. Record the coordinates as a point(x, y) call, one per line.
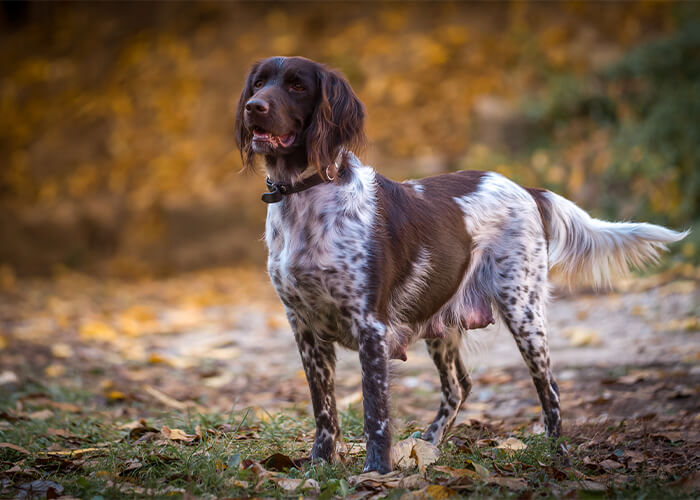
point(258, 105)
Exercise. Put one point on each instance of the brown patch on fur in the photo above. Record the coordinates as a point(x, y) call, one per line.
point(338, 121)
point(411, 221)
point(544, 206)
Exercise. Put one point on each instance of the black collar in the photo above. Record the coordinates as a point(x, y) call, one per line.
point(279, 189)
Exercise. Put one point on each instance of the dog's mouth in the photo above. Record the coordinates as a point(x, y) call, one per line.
point(262, 136)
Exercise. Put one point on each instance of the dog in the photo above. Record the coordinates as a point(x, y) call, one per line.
point(374, 265)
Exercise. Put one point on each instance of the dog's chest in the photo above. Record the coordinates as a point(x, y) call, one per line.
point(317, 261)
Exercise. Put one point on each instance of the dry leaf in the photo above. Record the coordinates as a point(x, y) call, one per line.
point(41, 415)
point(374, 480)
point(97, 330)
point(585, 485)
point(71, 453)
point(579, 337)
point(7, 377)
point(414, 452)
point(15, 447)
point(61, 350)
point(610, 465)
point(237, 483)
point(457, 473)
point(278, 462)
point(413, 482)
point(512, 483)
point(61, 433)
point(292, 484)
point(176, 434)
point(436, 492)
point(512, 444)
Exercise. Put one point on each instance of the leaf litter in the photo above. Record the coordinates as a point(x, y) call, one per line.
point(625, 424)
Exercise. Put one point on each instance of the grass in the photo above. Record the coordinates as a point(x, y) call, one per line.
point(132, 463)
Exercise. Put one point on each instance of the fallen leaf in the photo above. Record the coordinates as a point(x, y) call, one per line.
point(131, 465)
point(97, 330)
point(61, 433)
point(176, 434)
point(414, 452)
point(293, 484)
point(41, 415)
point(15, 447)
point(19, 470)
point(457, 473)
point(585, 485)
point(413, 482)
point(167, 400)
point(580, 337)
point(71, 453)
point(374, 480)
point(55, 370)
point(61, 351)
point(278, 462)
point(238, 483)
point(63, 406)
point(7, 377)
point(610, 465)
point(116, 396)
point(436, 492)
point(511, 444)
point(512, 483)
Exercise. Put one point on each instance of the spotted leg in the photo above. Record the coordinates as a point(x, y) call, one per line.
point(522, 308)
point(454, 380)
point(318, 359)
point(374, 360)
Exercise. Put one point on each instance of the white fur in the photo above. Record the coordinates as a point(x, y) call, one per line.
point(594, 251)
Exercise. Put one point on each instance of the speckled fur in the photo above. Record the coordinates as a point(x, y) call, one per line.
point(321, 245)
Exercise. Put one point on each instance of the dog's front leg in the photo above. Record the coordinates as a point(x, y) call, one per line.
point(374, 359)
point(318, 359)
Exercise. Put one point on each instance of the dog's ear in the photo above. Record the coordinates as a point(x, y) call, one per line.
point(244, 136)
point(337, 121)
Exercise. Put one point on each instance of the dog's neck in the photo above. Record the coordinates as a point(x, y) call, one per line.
point(290, 168)
point(294, 168)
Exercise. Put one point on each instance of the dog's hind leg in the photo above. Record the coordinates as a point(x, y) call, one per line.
point(454, 380)
point(521, 302)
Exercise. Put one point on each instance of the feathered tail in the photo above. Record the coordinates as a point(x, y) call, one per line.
point(595, 251)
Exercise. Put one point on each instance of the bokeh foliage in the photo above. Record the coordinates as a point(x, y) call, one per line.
point(116, 119)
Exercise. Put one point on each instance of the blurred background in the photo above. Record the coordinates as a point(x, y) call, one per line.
point(116, 119)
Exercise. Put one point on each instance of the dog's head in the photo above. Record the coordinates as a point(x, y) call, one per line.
point(292, 105)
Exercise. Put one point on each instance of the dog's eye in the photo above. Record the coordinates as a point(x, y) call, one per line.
point(298, 87)
point(258, 84)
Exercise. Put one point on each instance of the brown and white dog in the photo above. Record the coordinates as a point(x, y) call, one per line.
point(374, 265)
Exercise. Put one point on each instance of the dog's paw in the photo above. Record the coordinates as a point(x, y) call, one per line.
point(376, 466)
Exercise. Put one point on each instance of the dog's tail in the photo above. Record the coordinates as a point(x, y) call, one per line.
point(595, 251)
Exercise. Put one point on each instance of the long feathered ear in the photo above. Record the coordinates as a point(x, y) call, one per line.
point(244, 136)
point(338, 120)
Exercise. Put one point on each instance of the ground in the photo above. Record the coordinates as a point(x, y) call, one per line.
point(192, 386)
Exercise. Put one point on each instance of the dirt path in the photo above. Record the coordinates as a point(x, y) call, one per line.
point(220, 338)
